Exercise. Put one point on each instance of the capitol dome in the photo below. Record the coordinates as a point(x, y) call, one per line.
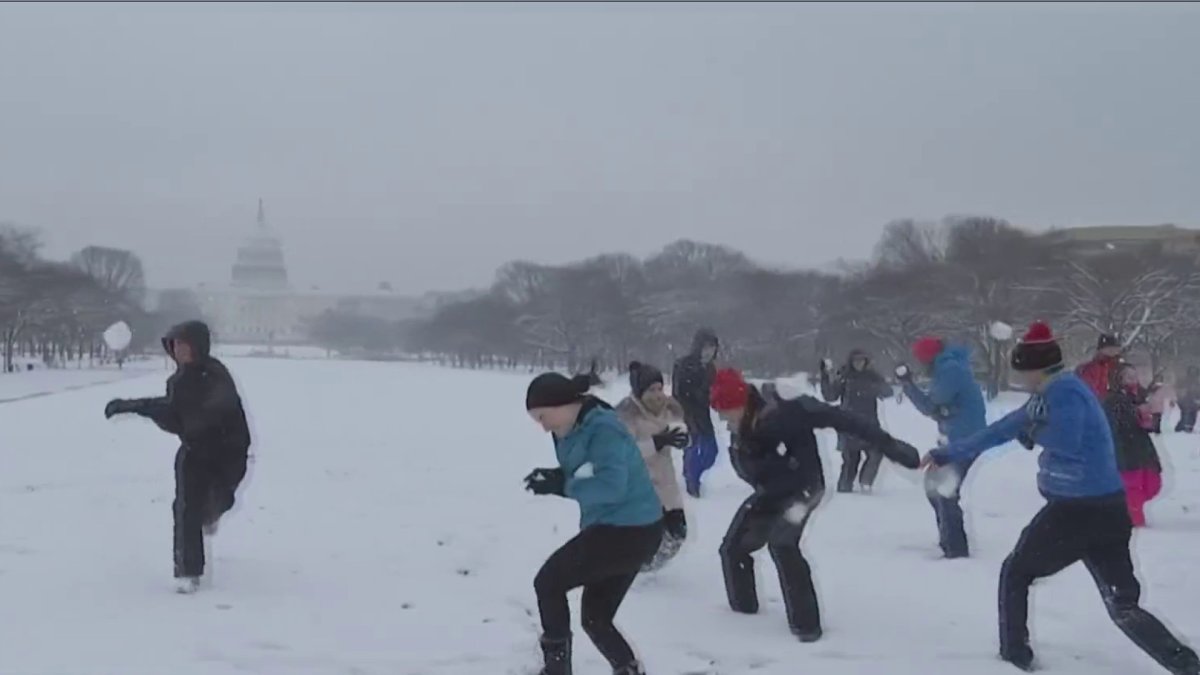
point(259, 264)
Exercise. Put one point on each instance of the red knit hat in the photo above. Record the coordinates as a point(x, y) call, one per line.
point(729, 390)
point(1038, 350)
point(927, 349)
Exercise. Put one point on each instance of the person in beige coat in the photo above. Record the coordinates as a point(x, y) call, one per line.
point(657, 424)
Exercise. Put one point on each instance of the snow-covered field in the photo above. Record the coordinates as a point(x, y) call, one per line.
point(383, 530)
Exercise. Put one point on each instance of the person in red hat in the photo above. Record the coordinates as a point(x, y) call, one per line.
point(1101, 373)
point(955, 402)
point(775, 451)
point(1085, 517)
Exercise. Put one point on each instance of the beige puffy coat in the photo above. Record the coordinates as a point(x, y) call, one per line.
point(644, 424)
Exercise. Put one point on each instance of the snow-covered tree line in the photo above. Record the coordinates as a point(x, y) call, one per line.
point(961, 278)
point(58, 310)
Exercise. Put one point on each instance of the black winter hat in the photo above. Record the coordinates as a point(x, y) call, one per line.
point(642, 376)
point(552, 390)
point(1038, 350)
point(1106, 340)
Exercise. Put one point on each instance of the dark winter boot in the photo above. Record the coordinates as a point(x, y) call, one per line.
point(557, 655)
point(634, 668)
point(1021, 657)
point(811, 635)
point(1184, 662)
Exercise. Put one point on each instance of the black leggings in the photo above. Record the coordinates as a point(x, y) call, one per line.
point(604, 560)
point(204, 491)
point(1097, 533)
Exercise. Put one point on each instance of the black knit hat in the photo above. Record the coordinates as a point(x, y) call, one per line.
point(642, 376)
point(1038, 350)
point(552, 390)
point(1107, 340)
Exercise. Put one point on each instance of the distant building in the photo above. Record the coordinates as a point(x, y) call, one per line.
point(1107, 238)
point(259, 305)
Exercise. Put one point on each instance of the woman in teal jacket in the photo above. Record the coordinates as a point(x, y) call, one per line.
point(620, 518)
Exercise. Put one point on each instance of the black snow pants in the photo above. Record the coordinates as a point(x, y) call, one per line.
point(856, 454)
point(205, 485)
point(1188, 411)
point(778, 526)
point(604, 560)
point(1097, 532)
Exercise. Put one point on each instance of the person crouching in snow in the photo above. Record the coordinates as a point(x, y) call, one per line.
point(655, 420)
point(1137, 458)
point(203, 409)
point(1085, 516)
point(776, 453)
point(601, 468)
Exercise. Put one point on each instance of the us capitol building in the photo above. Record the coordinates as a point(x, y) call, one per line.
point(260, 305)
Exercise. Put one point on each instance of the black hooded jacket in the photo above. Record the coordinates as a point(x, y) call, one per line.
point(202, 406)
point(776, 450)
point(691, 381)
point(858, 390)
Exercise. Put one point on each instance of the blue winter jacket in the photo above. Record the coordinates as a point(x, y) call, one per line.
point(1077, 459)
point(954, 398)
point(605, 471)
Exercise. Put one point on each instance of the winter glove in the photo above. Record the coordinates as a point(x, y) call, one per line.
point(120, 406)
point(903, 373)
point(1026, 438)
point(671, 438)
point(546, 482)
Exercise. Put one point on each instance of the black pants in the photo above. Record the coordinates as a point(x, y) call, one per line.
point(204, 490)
point(1157, 417)
point(1187, 417)
point(1096, 532)
point(604, 560)
point(853, 464)
point(760, 523)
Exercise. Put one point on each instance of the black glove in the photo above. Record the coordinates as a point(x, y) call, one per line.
point(120, 406)
point(671, 438)
point(903, 454)
point(903, 373)
point(546, 482)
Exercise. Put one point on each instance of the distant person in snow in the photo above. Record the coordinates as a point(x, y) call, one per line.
point(1188, 392)
point(690, 383)
point(1137, 458)
point(1100, 374)
point(656, 422)
point(203, 409)
point(859, 388)
point(601, 468)
point(1085, 517)
point(955, 402)
point(775, 451)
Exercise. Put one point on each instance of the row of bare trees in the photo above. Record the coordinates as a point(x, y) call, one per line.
point(57, 311)
point(956, 278)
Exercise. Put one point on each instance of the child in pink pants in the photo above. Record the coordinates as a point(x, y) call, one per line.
point(1137, 458)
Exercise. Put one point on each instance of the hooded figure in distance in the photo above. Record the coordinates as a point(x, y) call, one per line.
point(690, 383)
point(203, 409)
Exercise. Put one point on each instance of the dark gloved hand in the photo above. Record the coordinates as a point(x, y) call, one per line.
point(943, 413)
point(120, 406)
point(671, 438)
point(903, 373)
point(546, 482)
point(903, 454)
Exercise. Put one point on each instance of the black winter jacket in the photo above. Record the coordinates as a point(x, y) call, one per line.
point(1135, 449)
point(776, 448)
point(691, 380)
point(859, 391)
point(202, 406)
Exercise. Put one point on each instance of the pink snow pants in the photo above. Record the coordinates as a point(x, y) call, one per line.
point(1141, 485)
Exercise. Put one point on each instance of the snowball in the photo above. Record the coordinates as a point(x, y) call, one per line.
point(585, 471)
point(943, 480)
point(118, 336)
point(1001, 331)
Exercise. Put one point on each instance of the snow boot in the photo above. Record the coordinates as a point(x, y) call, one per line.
point(1021, 657)
point(807, 635)
point(187, 585)
point(1184, 662)
point(557, 655)
point(634, 668)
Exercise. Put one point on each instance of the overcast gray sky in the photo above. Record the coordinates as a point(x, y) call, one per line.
point(428, 144)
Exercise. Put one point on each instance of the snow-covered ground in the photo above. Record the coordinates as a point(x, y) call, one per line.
point(383, 530)
point(44, 381)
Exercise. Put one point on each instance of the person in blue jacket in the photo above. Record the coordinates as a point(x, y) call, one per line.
point(620, 519)
point(1085, 516)
point(956, 403)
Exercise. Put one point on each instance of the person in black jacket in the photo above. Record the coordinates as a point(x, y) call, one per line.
point(1137, 458)
point(775, 451)
point(203, 409)
point(690, 383)
point(859, 387)
point(1188, 393)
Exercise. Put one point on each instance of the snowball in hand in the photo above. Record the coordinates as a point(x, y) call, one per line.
point(585, 471)
point(943, 480)
point(118, 336)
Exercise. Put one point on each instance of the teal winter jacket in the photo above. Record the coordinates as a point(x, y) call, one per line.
point(605, 471)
